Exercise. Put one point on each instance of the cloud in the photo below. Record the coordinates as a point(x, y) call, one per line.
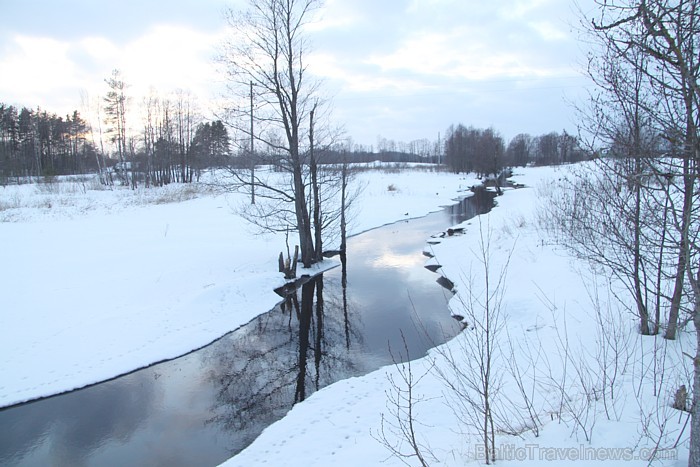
point(425, 64)
point(457, 55)
point(170, 57)
point(548, 30)
point(398, 66)
point(427, 52)
point(35, 69)
point(435, 41)
point(365, 78)
point(520, 9)
point(335, 15)
point(53, 73)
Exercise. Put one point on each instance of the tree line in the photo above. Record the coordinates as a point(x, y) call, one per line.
point(39, 143)
point(483, 151)
point(174, 144)
point(290, 161)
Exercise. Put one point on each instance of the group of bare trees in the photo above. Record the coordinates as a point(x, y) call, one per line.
point(276, 107)
point(483, 151)
point(474, 150)
point(423, 147)
point(174, 145)
point(548, 149)
point(636, 213)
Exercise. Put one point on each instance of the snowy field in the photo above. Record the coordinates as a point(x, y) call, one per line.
point(97, 283)
point(573, 382)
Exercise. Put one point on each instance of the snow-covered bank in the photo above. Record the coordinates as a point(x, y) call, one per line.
point(97, 283)
point(590, 380)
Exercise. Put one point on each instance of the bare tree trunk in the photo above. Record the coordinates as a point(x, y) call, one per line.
point(694, 454)
point(313, 167)
point(307, 300)
point(343, 206)
point(271, 55)
point(688, 182)
point(659, 266)
point(252, 149)
point(642, 309)
point(319, 341)
point(306, 242)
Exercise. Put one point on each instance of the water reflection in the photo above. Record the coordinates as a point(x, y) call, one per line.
point(283, 356)
point(204, 407)
point(65, 434)
point(480, 202)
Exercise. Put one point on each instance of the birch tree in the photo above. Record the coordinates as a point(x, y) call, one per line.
point(115, 116)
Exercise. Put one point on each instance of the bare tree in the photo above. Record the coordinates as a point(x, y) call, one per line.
point(475, 387)
point(658, 42)
point(186, 117)
point(269, 49)
point(518, 152)
point(667, 34)
point(400, 424)
point(150, 105)
point(95, 115)
point(115, 118)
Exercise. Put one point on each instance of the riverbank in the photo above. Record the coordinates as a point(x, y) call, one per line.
point(573, 384)
point(98, 283)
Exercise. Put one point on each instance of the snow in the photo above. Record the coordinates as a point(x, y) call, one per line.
point(551, 325)
point(97, 283)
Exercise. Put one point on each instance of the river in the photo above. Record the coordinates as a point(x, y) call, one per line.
point(206, 406)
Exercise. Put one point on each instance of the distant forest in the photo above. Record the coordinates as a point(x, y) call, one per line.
point(38, 143)
point(483, 151)
point(172, 148)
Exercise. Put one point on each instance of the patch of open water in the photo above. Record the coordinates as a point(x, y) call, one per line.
point(205, 407)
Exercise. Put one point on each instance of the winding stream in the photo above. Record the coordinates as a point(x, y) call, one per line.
point(204, 407)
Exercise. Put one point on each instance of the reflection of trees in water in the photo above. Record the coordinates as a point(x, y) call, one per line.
point(74, 425)
point(283, 356)
point(480, 202)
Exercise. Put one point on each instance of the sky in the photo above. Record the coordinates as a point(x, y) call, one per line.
point(397, 69)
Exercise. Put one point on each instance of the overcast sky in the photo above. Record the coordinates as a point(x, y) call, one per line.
point(402, 69)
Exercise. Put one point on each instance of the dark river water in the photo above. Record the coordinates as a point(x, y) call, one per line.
point(204, 407)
